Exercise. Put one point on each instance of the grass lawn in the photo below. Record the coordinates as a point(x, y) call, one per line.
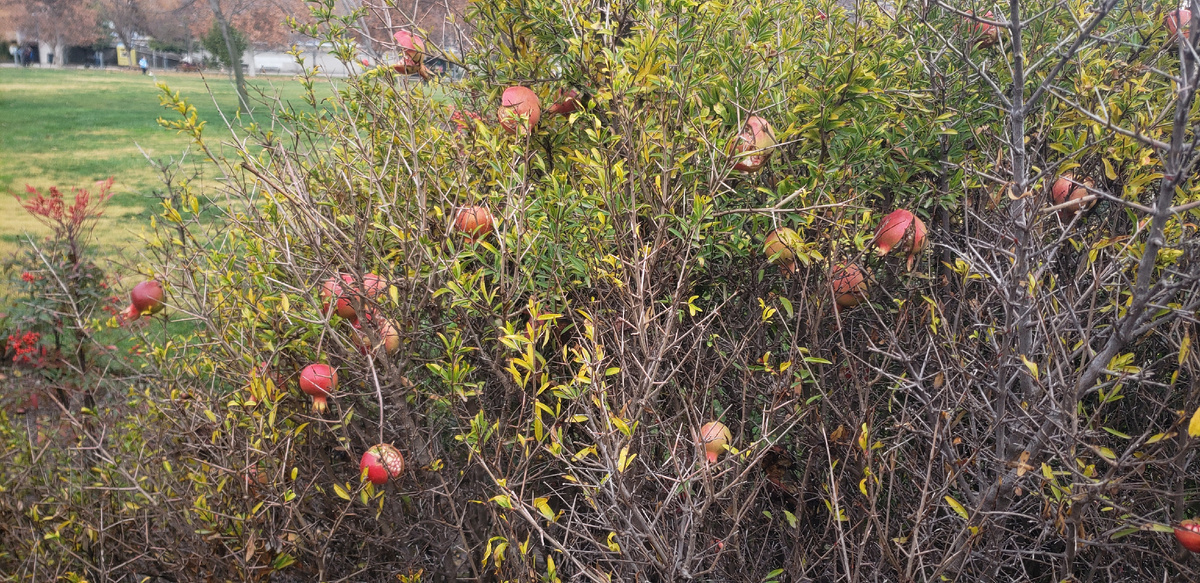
point(71, 128)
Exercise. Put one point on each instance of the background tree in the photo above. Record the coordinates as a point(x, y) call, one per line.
point(214, 43)
point(127, 19)
point(54, 25)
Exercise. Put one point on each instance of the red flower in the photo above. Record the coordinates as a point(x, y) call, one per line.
point(28, 277)
point(25, 347)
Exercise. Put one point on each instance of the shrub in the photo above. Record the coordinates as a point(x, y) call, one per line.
point(1015, 406)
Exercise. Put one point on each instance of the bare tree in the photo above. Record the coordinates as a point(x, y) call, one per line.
point(55, 24)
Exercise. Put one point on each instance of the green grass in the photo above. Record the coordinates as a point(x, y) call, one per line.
point(72, 128)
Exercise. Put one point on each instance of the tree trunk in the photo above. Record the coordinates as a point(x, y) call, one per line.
point(60, 54)
point(44, 52)
point(250, 59)
point(236, 65)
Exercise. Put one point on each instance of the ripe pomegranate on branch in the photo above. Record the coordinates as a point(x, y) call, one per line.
point(1175, 21)
point(519, 110)
point(753, 145)
point(780, 247)
point(566, 103)
point(1188, 535)
point(343, 291)
point(987, 35)
point(145, 299)
point(474, 222)
point(903, 231)
point(319, 381)
point(1068, 188)
point(849, 282)
point(381, 462)
point(384, 329)
point(714, 438)
point(412, 54)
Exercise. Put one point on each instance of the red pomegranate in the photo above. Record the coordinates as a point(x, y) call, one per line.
point(385, 330)
point(145, 298)
point(464, 120)
point(714, 438)
point(752, 148)
point(849, 282)
point(1188, 535)
point(988, 34)
point(1068, 188)
point(1177, 20)
point(411, 45)
point(474, 222)
point(412, 54)
point(519, 110)
point(381, 462)
point(901, 231)
point(566, 103)
point(780, 246)
point(346, 291)
point(319, 381)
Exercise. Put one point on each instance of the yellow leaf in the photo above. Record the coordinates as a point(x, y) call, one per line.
point(1032, 366)
point(1157, 437)
point(1194, 424)
point(958, 508)
point(341, 492)
point(543, 506)
point(612, 543)
point(625, 459)
point(1109, 171)
point(1183, 348)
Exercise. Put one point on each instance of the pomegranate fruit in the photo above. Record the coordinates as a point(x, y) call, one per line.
point(903, 231)
point(566, 103)
point(1068, 188)
point(1188, 535)
point(714, 438)
point(389, 338)
point(752, 148)
point(1177, 20)
point(412, 54)
point(849, 282)
point(342, 290)
point(987, 34)
point(145, 298)
point(381, 462)
point(519, 110)
point(780, 246)
point(319, 381)
point(474, 222)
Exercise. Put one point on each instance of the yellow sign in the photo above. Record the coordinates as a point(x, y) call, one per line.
point(124, 58)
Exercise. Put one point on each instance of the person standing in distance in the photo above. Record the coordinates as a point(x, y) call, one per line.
point(143, 64)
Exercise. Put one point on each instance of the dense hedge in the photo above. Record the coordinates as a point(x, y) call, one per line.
point(1014, 407)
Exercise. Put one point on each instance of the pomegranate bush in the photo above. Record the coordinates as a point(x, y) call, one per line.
point(877, 352)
